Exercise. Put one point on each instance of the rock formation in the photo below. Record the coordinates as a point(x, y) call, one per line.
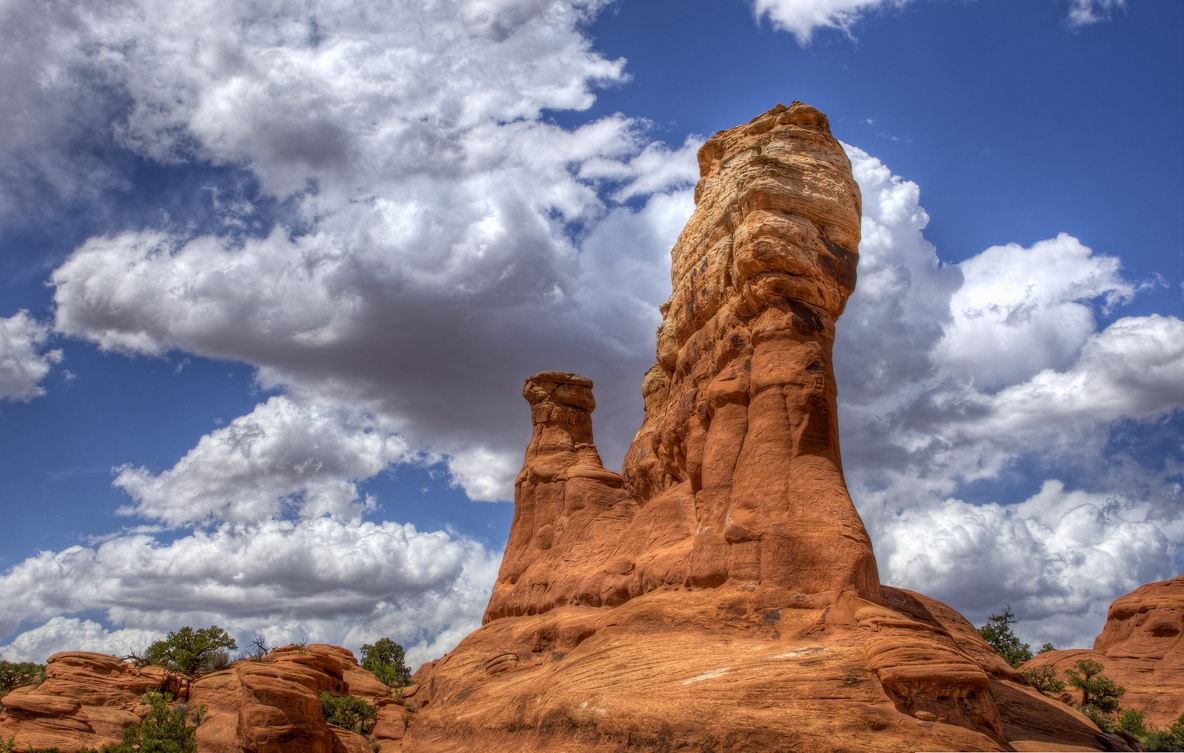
point(721, 592)
point(85, 701)
point(267, 706)
point(1141, 650)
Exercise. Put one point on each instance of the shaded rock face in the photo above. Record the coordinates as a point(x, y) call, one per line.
point(1141, 649)
point(269, 706)
point(722, 592)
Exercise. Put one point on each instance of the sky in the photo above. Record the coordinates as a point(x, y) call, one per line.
point(273, 272)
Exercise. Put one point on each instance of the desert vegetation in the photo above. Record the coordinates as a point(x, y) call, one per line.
point(385, 659)
point(1085, 687)
point(164, 730)
point(14, 675)
point(1006, 643)
point(349, 713)
point(192, 652)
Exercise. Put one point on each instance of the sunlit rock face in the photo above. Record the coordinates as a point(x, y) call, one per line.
point(736, 472)
point(741, 416)
point(721, 592)
point(1141, 648)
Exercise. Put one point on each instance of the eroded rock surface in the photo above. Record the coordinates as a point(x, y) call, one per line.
point(1141, 650)
point(268, 706)
point(86, 701)
point(721, 592)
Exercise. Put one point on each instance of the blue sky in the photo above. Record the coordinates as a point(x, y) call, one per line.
point(272, 274)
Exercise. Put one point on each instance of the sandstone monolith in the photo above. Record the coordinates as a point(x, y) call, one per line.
point(721, 591)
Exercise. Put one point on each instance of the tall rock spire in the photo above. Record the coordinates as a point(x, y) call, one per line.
point(721, 592)
point(740, 406)
point(739, 451)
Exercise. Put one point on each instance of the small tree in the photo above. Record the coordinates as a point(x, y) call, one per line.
point(187, 650)
point(163, 730)
point(385, 659)
point(14, 675)
point(1046, 648)
point(259, 648)
point(1097, 690)
point(349, 713)
point(1007, 644)
point(1044, 679)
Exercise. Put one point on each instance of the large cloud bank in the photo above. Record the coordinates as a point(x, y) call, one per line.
point(434, 239)
point(439, 240)
point(955, 376)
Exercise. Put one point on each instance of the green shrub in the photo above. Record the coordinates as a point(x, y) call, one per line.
point(1097, 690)
point(1104, 721)
point(1046, 648)
point(1044, 679)
point(1132, 721)
point(1007, 644)
point(1172, 738)
point(14, 675)
point(163, 730)
point(349, 713)
point(185, 650)
point(385, 660)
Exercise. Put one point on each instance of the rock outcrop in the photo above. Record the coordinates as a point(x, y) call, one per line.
point(721, 592)
point(267, 706)
point(1141, 649)
point(86, 701)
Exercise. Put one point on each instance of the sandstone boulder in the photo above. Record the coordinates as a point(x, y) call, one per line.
point(721, 591)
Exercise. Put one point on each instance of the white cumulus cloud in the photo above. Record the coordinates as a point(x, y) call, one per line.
point(280, 458)
point(430, 257)
point(802, 17)
point(73, 634)
point(24, 359)
point(952, 375)
point(327, 579)
point(1021, 310)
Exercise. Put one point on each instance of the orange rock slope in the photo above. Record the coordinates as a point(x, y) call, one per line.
point(267, 706)
point(721, 592)
point(1141, 650)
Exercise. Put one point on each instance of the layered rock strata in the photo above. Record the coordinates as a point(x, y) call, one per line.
point(721, 592)
point(267, 706)
point(1141, 648)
